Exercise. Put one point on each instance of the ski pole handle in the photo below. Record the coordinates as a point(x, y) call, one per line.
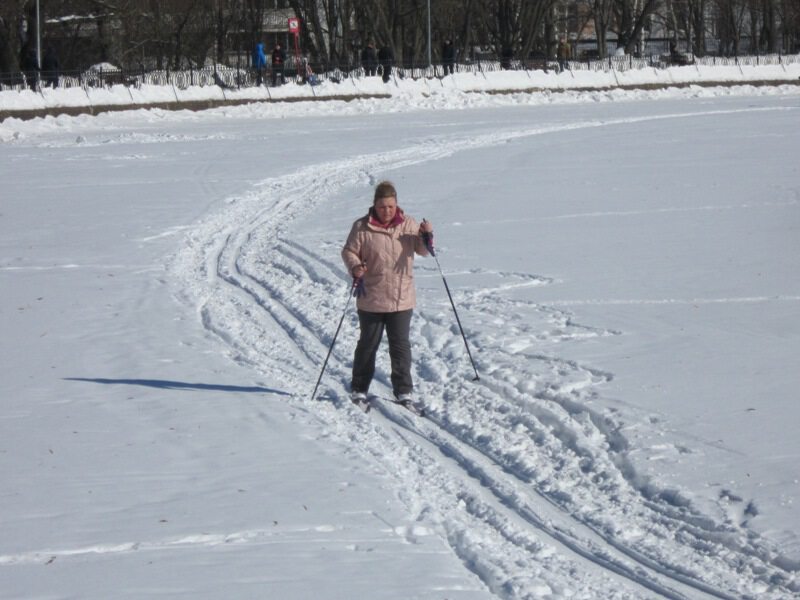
point(359, 290)
point(427, 239)
point(359, 270)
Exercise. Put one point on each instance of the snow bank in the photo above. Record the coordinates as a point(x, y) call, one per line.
point(92, 99)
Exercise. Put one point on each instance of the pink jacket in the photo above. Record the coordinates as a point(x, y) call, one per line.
point(389, 257)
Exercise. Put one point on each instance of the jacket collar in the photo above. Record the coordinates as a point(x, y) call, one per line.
point(373, 220)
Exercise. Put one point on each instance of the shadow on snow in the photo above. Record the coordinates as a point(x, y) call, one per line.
point(180, 385)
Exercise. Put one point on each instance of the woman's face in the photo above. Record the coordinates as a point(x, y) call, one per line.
point(386, 208)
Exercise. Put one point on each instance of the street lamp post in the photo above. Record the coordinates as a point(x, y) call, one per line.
point(429, 33)
point(38, 37)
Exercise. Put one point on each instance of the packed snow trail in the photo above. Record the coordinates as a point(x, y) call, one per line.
point(531, 489)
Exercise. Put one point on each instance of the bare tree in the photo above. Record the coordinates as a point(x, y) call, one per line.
point(603, 11)
point(254, 11)
point(317, 27)
point(630, 17)
point(697, 25)
point(225, 18)
point(731, 24)
point(519, 25)
point(788, 12)
point(685, 20)
point(11, 35)
point(763, 25)
point(387, 20)
point(177, 33)
point(192, 31)
point(453, 20)
point(583, 16)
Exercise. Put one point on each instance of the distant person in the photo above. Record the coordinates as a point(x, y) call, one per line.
point(30, 67)
point(309, 76)
point(369, 60)
point(259, 62)
point(50, 67)
point(278, 64)
point(564, 54)
point(448, 57)
point(675, 57)
point(506, 57)
point(386, 59)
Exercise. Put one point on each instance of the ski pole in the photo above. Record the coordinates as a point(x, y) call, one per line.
point(354, 290)
point(427, 238)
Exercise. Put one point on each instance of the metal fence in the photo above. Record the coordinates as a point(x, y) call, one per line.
point(662, 61)
point(234, 78)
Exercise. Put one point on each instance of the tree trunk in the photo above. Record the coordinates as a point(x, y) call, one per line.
point(9, 63)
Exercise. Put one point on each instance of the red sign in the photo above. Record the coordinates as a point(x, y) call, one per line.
point(294, 25)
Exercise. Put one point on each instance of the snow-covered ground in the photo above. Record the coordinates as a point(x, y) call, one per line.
point(625, 266)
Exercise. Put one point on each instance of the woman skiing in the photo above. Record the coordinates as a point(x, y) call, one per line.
point(380, 252)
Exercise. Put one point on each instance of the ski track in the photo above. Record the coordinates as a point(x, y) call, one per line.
point(276, 535)
point(530, 487)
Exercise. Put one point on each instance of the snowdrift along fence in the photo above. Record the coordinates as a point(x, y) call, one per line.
point(234, 78)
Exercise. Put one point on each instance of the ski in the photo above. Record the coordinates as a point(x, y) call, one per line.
point(364, 405)
point(414, 407)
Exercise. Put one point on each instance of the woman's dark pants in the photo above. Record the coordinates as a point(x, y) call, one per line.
point(397, 325)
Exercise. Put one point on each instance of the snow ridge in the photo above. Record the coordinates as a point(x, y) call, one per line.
point(516, 473)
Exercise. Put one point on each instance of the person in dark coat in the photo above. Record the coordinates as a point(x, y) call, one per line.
point(448, 57)
point(50, 67)
point(675, 57)
point(386, 59)
point(564, 54)
point(506, 57)
point(278, 63)
point(30, 67)
point(369, 60)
